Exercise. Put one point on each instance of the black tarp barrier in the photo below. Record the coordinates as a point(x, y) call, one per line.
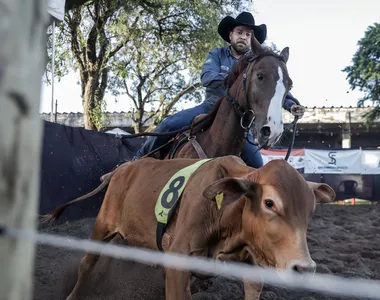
point(74, 159)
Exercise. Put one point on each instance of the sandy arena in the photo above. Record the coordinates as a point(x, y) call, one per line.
point(343, 240)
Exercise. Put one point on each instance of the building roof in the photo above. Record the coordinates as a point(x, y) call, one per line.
point(312, 115)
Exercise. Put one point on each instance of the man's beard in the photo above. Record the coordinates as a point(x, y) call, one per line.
point(240, 47)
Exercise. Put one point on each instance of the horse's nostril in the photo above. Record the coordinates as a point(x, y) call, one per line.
point(265, 131)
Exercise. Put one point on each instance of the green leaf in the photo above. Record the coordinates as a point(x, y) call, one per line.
point(364, 73)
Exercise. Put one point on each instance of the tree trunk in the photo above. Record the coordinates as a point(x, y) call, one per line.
point(138, 123)
point(89, 101)
point(22, 24)
point(137, 127)
point(165, 111)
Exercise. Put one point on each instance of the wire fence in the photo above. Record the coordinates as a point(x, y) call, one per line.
point(323, 283)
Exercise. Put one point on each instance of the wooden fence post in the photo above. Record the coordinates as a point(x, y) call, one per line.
point(22, 46)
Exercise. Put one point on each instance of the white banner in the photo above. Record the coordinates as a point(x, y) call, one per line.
point(333, 161)
point(370, 162)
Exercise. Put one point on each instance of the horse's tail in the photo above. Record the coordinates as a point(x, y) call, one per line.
point(51, 217)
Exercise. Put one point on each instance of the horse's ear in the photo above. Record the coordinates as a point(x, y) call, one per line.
point(255, 46)
point(285, 54)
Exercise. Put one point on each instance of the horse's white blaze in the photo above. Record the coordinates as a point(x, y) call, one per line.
point(274, 117)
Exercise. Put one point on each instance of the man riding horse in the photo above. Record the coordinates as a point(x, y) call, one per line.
point(237, 32)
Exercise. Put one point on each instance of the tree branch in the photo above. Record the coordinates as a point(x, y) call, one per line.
point(73, 22)
point(152, 115)
point(91, 45)
point(129, 94)
point(177, 97)
point(170, 16)
point(93, 35)
point(117, 48)
point(90, 13)
point(103, 83)
point(104, 43)
point(125, 41)
point(149, 93)
point(150, 6)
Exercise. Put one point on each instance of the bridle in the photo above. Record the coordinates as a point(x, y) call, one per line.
point(246, 111)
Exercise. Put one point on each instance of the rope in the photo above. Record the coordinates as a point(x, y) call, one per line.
point(323, 283)
point(290, 147)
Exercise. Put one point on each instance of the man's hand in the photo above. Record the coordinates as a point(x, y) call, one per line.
point(297, 110)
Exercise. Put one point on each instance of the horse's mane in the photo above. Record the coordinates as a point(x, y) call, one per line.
point(237, 68)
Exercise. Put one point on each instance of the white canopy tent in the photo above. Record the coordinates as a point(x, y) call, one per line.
point(117, 131)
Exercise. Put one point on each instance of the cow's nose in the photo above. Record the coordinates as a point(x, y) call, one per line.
point(265, 131)
point(304, 267)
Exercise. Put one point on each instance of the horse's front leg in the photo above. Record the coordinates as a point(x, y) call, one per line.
point(177, 285)
point(252, 290)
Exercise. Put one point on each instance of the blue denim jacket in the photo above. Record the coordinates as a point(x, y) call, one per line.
point(218, 63)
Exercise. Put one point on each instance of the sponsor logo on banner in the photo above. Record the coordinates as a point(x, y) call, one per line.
point(296, 158)
point(333, 162)
point(332, 158)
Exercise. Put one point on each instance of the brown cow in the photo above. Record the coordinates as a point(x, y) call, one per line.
point(263, 217)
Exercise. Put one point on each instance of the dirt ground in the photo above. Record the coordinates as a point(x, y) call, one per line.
point(343, 240)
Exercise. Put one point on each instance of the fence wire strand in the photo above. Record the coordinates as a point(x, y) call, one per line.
point(322, 283)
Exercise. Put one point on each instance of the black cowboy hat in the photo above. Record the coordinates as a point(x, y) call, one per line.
point(243, 19)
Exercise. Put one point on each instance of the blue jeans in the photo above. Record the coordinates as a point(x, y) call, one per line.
point(250, 155)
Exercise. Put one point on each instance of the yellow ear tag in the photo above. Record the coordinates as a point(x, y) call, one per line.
point(219, 199)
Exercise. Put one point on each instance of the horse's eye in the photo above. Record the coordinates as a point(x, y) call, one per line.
point(260, 76)
point(269, 203)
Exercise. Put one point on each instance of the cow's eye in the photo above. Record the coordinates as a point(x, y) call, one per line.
point(269, 203)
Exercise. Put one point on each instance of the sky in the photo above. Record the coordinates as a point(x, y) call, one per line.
point(322, 37)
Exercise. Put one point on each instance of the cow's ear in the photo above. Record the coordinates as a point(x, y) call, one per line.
point(228, 190)
point(323, 192)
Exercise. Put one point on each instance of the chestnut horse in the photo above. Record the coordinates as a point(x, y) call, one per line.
point(257, 87)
